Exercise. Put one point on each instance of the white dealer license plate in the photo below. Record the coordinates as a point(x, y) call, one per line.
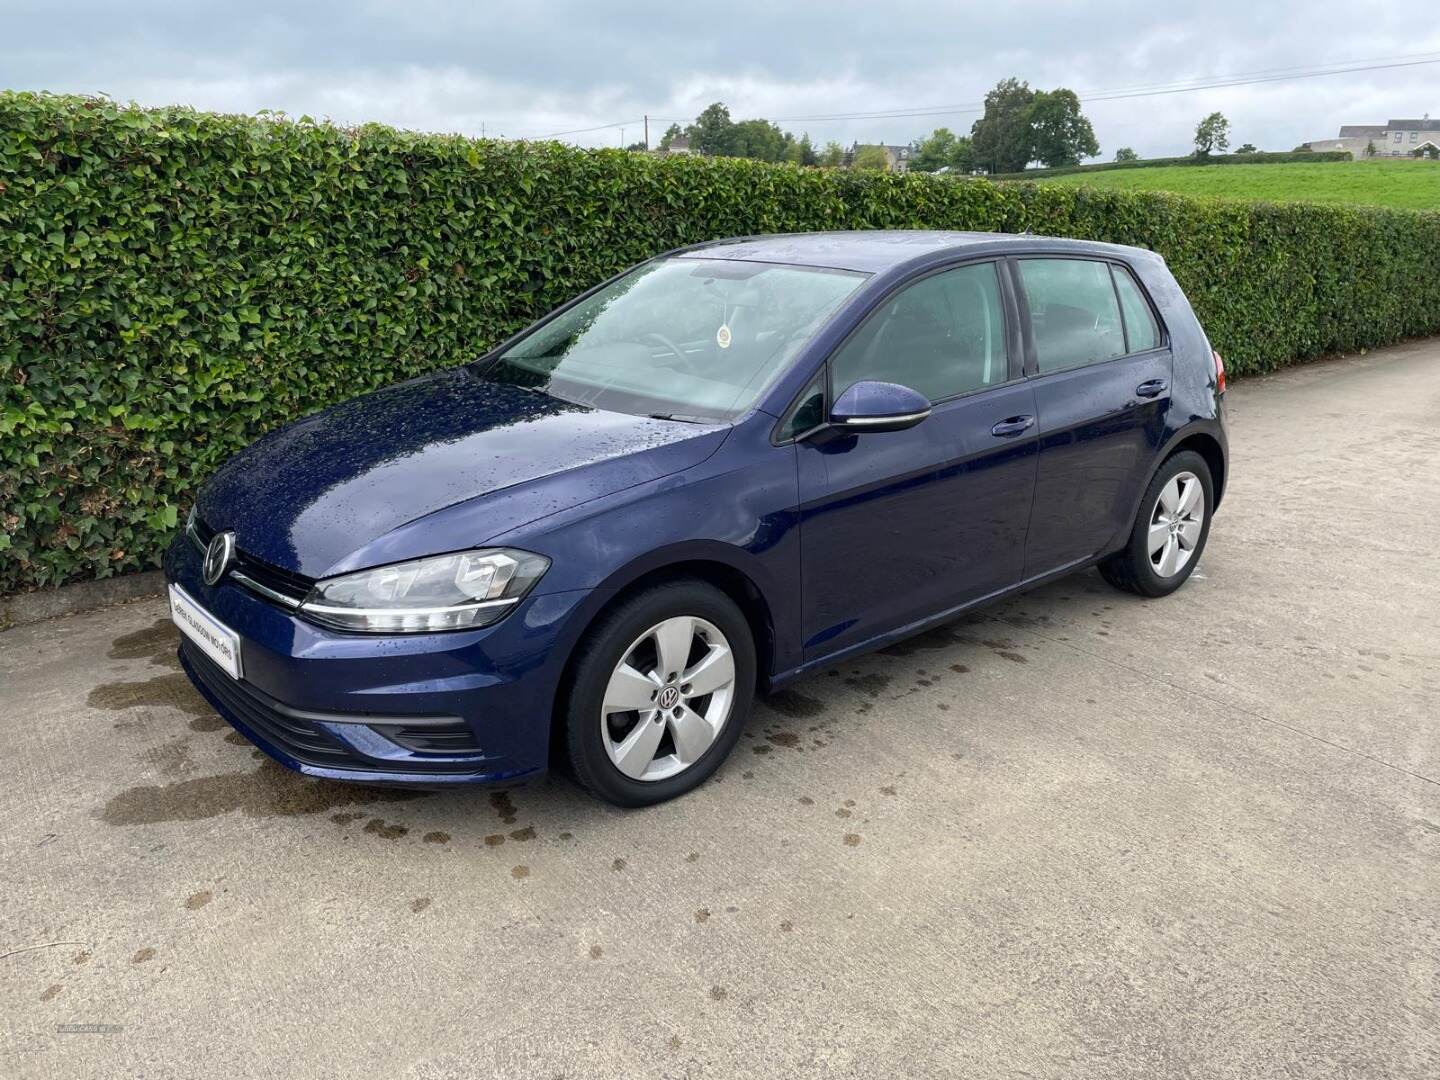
point(207, 633)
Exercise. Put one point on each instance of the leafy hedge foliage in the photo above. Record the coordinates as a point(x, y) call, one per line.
point(1259, 157)
point(174, 283)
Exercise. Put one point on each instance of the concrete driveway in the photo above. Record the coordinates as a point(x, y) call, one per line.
point(1079, 835)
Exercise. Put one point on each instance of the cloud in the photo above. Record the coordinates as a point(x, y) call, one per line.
point(534, 69)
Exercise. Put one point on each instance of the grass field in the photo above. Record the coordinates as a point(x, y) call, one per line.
point(1410, 185)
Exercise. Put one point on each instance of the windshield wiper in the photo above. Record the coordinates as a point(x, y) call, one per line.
point(678, 417)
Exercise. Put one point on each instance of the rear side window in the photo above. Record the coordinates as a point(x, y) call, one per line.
point(1141, 331)
point(1074, 314)
point(942, 336)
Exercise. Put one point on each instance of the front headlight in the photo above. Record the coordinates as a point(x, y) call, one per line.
point(444, 592)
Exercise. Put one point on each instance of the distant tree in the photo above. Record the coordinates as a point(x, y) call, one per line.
point(713, 132)
point(1126, 154)
point(1211, 134)
point(1059, 133)
point(803, 152)
point(673, 132)
point(833, 156)
point(758, 139)
point(943, 149)
point(871, 157)
point(636, 146)
point(933, 152)
point(1001, 137)
point(1370, 150)
point(1247, 148)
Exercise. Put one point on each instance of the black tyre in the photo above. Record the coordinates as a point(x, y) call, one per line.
point(660, 691)
point(1170, 529)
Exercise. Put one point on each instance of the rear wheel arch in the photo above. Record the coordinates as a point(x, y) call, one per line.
point(1208, 447)
point(1194, 439)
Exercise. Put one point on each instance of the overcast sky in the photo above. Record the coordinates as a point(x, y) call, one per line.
point(533, 69)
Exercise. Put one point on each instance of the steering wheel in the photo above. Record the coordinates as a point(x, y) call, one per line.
point(685, 362)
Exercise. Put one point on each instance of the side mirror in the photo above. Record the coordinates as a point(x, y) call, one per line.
point(878, 406)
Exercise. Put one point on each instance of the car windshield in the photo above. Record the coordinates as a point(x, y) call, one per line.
point(684, 338)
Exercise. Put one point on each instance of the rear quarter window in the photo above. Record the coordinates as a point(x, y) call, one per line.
point(1142, 332)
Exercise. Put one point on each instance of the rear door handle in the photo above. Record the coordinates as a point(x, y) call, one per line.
point(1153, 388)
point(1012, 426)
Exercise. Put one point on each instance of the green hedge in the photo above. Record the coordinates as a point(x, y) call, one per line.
point(1259, 157)
point(174, 283)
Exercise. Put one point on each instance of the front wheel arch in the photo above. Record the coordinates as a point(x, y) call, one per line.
point(727, 578)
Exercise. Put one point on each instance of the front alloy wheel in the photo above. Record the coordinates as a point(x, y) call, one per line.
point(668, 698)
point(659, 693)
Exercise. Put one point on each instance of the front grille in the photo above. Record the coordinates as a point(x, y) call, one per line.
point(300, 738)
point(306, 740)
point(275, 584)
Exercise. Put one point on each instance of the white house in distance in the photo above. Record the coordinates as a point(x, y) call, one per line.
point(1398, 138)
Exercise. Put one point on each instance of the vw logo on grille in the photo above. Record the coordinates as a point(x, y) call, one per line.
point(218, 555)
point(669, 697)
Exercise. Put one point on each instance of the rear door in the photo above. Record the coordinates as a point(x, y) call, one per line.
point(1100, 364)
point(897, 526)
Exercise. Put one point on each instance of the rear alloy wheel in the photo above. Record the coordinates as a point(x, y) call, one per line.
point(1170, 530)
point(661, 690)
point(1176, 522)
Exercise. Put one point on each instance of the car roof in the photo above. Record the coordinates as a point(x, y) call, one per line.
point(874, 250)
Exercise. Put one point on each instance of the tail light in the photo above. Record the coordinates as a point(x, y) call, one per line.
point(1219, 372)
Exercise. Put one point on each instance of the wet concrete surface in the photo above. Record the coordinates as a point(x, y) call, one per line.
point(1077, 835)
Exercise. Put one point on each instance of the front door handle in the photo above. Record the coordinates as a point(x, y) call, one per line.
point(1012, 426)
point(1153, 388)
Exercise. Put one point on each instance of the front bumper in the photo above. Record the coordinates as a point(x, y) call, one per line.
point(455, 707)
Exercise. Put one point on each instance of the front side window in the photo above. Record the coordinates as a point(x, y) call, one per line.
point(808, 412)
point(1074, 315)
point(689, 338)
point(942, 336)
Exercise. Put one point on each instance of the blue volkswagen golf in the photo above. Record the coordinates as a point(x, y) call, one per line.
point(727, 467)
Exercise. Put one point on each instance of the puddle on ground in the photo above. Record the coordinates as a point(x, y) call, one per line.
point(173, 690)
point(793, 704)
point(269, 791)
point(377, 827)
point(870, 684)
point(504, 806)
point(156, 643)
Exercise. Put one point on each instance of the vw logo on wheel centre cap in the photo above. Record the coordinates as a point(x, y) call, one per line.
point(218, 555)
point(669, 697)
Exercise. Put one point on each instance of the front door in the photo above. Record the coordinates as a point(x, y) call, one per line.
point(898, 526)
